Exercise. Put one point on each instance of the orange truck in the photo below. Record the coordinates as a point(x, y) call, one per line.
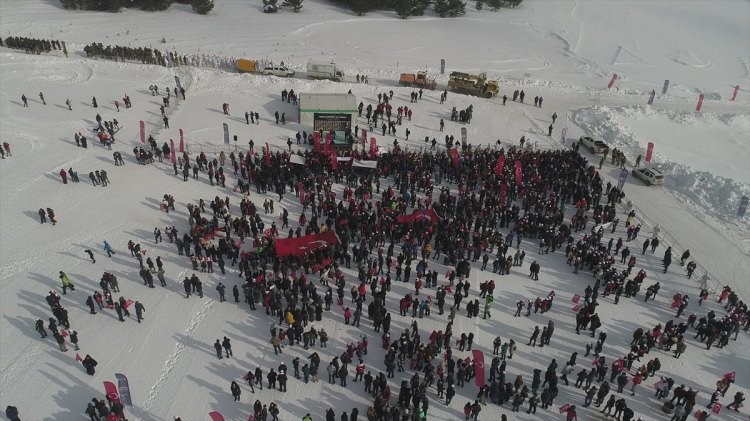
point(420, 80)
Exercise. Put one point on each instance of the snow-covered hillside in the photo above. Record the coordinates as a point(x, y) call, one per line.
point(565, 51)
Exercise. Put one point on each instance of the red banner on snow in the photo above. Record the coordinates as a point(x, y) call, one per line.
point(612, 81)
point(649, 151)
point(700, 103)
point(564, 408)
point(478, 367)
point(428, 215)
point(303, 245)
point(373, 148)
point(519, 173)
point(734, 94)
point(215, 416)
point(500, 165)
point(454, 157)
point(111, 391)
point(143, 132)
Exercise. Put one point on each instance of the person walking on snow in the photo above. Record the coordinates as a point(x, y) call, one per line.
point(66, 283)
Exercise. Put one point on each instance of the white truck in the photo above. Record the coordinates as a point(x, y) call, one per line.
point(321, 70)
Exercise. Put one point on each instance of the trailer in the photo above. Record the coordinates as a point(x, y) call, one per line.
point(246, 66)
point(321, 70)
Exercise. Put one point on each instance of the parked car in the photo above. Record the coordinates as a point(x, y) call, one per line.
point(280, 71)
point(594, 145)
point(650, 175)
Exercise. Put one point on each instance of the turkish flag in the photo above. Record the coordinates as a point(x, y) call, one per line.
point(500, 165)
point(478, 367)
point(454, 157)
point(316, 141)
point(428, 215)
point(334, 159)
point(78, 358)
point(304, 245)
point(519, 173)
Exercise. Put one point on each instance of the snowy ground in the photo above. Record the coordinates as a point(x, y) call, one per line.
point(565, 51)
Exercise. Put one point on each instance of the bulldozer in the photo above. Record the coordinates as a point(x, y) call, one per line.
point(421, 80)
point(476, 85)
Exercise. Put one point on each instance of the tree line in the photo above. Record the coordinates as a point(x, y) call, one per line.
point(199, 6)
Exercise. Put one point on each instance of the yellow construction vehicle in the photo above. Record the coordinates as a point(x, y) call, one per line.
point(476, 85)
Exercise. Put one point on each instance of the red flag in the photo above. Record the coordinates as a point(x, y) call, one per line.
point(111, 391)
point(478, 367)
point(500, 165)
point(329, 140)
point(454, 158)
point(78, 358)
point(301, 190)
point(303, 245)
point(503, 193)
point(564, 408)
point(700, 103)
point(334, 159)
point(143, 132)
point(428, 215)
point(576, 298)
point(519, 173)
point(736, 89)
point(268, 154)
point(316, 141)
point(612, 81)
point(215, 416)
point(649, 151)
point(373, 148)
point(576, 308)
point(182, 139)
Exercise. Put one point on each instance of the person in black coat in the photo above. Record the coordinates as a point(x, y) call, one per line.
point(90, 364)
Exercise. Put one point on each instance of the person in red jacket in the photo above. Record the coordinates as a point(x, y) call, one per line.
point(636, 381)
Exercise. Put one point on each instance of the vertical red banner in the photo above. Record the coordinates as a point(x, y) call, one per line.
point(700, 103)
point(503, 193)
point(500, 165)
point(334, 159)
point(478, 367)
point(143, 131)
point(301, 189)
point(519, 173)
point(454, 158)
point(649, 151)
point(172, 151)
point(268, 154)
point(734, 94)
point(316, 141)
point(612, 81)
point(329, 140)
point(364, 137)
point(373, 148)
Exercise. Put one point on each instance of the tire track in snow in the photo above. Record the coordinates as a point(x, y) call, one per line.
point(173, 359)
